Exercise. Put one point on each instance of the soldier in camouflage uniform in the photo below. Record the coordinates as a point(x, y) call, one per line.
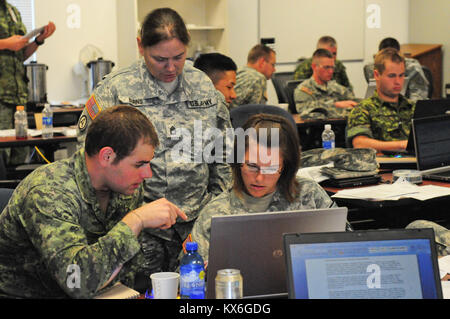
point(263, 187)
point(383, 121)
point(305, 71)
point(417, 86)
point(14, 50)
point(183, 104)
point(320, 96)
point(72, 227)
point(251, 80)
point(441, 235)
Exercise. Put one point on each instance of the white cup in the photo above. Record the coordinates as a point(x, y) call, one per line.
point(284, 106)
point(165, 285)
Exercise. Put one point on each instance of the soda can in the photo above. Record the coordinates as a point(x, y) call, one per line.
point(229, 284)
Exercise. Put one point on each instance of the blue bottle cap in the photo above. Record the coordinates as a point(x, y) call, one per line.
point(191, 245)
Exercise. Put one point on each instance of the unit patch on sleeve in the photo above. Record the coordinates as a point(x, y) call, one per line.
point(92, 107)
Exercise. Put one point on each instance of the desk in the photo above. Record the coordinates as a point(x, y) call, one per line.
point(365, 214)
point(310, 131)
point(429, 55)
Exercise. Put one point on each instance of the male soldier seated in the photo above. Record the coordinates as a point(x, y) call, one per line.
point(320, 96)
point(251, 80)
point(71, 227)
point(383, 121)
point(222, 72)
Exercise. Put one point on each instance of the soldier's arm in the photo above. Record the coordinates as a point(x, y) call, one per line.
point(362, 141)
point(418, 87)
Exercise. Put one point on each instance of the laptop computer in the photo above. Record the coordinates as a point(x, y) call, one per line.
point(432, 145)
point(426, 108)
point(253, 243)
point(370, 264)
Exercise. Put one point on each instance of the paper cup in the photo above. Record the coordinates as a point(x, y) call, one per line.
point(165, 285)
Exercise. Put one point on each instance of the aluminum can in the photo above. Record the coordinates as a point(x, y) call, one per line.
point(229, 284)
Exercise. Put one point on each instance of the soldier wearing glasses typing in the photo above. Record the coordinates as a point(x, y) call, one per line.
point(264, 178)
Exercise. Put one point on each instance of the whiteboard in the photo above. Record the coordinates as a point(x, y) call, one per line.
point(296, 26)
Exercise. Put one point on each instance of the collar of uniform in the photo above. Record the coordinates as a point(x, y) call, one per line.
point(402, 101)
point(237, 202)
point(321, 87)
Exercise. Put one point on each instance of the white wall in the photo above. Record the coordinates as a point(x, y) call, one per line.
point(98, 26)
point(430, 23)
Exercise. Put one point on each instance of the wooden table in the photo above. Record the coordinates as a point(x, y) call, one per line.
point(429, 55)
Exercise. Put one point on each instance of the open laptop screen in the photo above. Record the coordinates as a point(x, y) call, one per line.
point(362, 268)
point(432, 141)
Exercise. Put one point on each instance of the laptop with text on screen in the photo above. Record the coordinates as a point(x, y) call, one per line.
point(370, 264)
point(253, 243)
point(432, 144)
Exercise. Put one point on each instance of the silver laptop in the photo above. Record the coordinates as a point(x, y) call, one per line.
point(432, 145)
point(253, 243)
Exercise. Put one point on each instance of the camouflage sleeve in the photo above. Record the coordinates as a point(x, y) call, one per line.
point(303, 70)
point(102, 97)
point(306, 103)
point(358, 123)
point(418, 87)
point(55, 231)
point(251, 92)
point(220, 173)
point(312, 195)
point(201, 232)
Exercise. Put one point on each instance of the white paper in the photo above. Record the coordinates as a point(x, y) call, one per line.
point(445, 289)
point(314, 173)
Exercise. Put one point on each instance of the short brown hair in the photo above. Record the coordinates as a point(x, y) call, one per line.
point(259, 51)
point(327, 40)
point(121, 128)
point(390, 54)
point(289, 146)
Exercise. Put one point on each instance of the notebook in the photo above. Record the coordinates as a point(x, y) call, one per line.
point(253, 243)
point(432, 145)
point(370, 264)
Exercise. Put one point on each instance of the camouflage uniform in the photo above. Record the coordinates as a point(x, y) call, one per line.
point(304, 71)
point(417, 84)
point(310, 196)
point(53, 221)
point(189, 185)
point(441, 235)
point(381, 120)
point(13, 80)
point(250, 88)
point(317, 101)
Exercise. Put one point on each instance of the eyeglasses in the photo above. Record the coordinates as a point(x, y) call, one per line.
point(266, 170)
point(327, 67)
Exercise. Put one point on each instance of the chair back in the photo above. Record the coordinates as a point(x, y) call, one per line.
point(5, 195)
point(239, 115)
point(290, 88)
point(429, 76)
point(279, 80)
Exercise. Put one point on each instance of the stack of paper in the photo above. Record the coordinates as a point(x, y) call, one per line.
point(400, 189)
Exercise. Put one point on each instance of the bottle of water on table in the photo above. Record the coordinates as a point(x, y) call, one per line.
point(47, 122)
point(192, 274)
point(328, 138)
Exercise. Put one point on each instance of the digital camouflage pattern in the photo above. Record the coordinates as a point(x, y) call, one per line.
point(52, 222)
point(304, 71)
point(348, 162)
point(417, 81)
point(317, 101)
point(250, 88)
point(441, 235)
point(13, 81)
point(381, 120)
point(190, 184)
point(310, 196)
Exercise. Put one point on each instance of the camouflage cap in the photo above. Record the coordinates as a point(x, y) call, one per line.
point(351, 159)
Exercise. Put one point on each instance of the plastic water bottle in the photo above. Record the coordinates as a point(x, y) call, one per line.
point(328, 139)
point(192, 274)
point(21, 123)
point(47, 122)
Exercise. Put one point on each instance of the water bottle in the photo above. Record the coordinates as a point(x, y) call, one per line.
point(192, 274)
point(21, 123)
point(328, 140)
point(47, 122)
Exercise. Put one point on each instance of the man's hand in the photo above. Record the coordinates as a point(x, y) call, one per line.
point(49, 29)
point(14, 43)
point(345, 104)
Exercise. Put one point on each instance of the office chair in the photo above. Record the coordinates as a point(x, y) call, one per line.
point(279, 80)
point(290, 88)
point(429, 77)
point(368, 72)
point(239, 115)
point(5, 195)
